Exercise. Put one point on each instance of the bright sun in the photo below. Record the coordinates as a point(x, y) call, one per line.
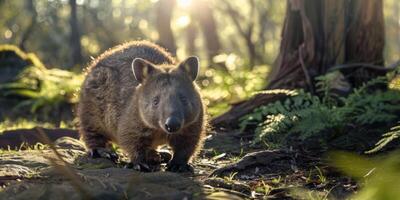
point(184, 3)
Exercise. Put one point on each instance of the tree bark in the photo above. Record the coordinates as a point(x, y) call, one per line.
point(366, 39)
point(163, 24)
point(75, 36)
point(316, 36)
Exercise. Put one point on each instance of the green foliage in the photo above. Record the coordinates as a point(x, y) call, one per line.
point(7, 125)
point(378, 176)
point(43, 88)
point(388, 137)
point(222, 87)
point(305, 116)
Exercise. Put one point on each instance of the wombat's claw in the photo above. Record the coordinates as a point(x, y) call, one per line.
point(179, 167)
point(112, 156)
point(98, 153)
point(142, 167)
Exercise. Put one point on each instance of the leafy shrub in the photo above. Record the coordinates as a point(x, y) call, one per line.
point(42, 88)
point(304, 115)
point(28, 84)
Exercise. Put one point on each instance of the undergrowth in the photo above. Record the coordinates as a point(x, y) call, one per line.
point(34, 91)
point(41, 88)
point(21, 123)
point(222, 87)
point(302, 115)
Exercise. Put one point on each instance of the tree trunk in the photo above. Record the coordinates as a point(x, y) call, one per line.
point(366, 39)
point(316, 36)
point(75, 36)
point(191, 38)
point(163, 24)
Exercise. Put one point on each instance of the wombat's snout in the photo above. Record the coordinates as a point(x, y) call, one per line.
point(172, 124)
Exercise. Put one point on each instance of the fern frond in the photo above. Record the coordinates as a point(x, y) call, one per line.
point(305, 115)
point(387, 138)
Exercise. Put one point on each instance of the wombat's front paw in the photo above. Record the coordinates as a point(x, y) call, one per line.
point(143, 167)
point(175, 167)
point(152, 157)
point(103, 153)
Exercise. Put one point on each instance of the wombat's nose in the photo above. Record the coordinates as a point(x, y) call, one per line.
point(172, 124)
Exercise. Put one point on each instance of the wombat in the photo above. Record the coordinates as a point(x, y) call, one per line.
point(138, 97)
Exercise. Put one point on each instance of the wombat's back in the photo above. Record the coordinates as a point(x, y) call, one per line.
point(121, 56)
point(110, 84)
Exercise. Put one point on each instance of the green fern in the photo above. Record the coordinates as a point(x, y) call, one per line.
point(304, 115)
point(387, 138)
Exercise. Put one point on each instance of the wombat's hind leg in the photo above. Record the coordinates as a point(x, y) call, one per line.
point(97, 146)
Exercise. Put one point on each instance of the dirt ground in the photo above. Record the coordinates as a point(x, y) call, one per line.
point(246, 172)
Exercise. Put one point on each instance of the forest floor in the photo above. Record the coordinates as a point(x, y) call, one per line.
point(246, 172)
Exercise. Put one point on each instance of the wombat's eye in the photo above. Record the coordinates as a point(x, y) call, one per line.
point(156, 100)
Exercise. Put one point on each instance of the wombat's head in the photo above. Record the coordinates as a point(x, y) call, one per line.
point(168, 98)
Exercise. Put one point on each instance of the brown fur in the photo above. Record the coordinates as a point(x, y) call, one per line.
point(112, 105)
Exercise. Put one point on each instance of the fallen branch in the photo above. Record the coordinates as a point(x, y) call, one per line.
point(263, 158)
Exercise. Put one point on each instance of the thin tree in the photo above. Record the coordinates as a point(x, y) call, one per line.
point(164, 10)
point(245, 29)
point(75, 37)
point(191, 34)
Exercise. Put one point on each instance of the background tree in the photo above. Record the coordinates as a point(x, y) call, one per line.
point(246, 32)
point(203, 14)
point(164, 10)
point(318, 36)
point(75, 36)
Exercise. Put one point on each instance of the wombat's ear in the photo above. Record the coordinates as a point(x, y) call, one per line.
point(190, 66)
point(142, 69)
